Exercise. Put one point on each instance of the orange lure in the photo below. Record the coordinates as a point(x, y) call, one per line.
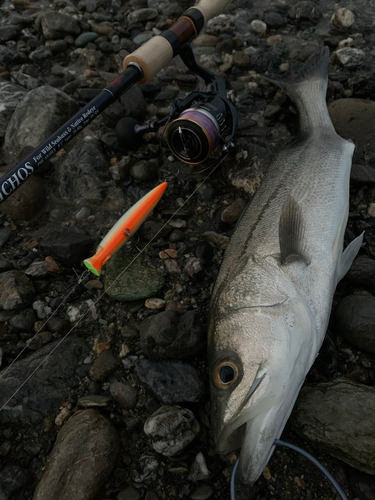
point(124, 227)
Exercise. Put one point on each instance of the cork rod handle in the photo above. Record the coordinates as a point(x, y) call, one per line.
point(153, 55)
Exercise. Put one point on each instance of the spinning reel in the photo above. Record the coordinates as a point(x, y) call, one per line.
point(197, 124)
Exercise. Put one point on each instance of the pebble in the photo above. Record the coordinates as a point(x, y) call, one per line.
point(362, 174)
point(92, 401)
point(217, 240)
point(129, 493)
point(342, 19)
point(12, 479)
point(354, 318)
point(137, 282)
point(39, 340)
point(233, 211)
point(124, 394)
point(41, 308)
point(67, 247)
point(258, 27)
point(241, 60)
point(16, 290)
point(83, 213)
point(90, 442)
point(348, 434)
point(27, 201)
point(172, 334)
point(353, 118)
point(201, 492)
point(103, 367)
point(274, 20)
point(350, 57)
point(23, 321)
point(206, 41)
point(305, 11)
point(10, 96)
point(101, 29)
point(77, 310)
point(172, 429)
point(56, 25)
point(37, 270)
point(371, 210)
point(143, 37)
point(144, 170)
point(198, 470)
point(170, 382)
point(84, 38)
point(193, 266)
point(154, 303)
point(142, 15)
point(5, 233)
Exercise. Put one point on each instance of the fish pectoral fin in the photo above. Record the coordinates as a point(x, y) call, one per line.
point(292, 233)
point(347, 257)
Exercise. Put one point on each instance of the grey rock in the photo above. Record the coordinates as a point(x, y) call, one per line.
point(172, 429)
point(40, 111)
point(271, 110)
point(104, 365)
point(84, 38)
point(56, 25)
point(37, 270)
point(355, 321)
point(23, 321)
point(193, 266)
point(134, 103)
point(225, 45)
point(129, 493)
point(353, 118)
point(39, 340)
point(10, 96)
point(362, 271)
point(172, 334)
point(363, 485)
point(124, 394)
point(274, 19)
point(58, 46)
point(5, 265)
point(337, 417)
point(5, 233)
point(58, 325)
point(40, 54)
point(142, 15)
point(90, 442)
point(144, 170)
point(47, 388)
point(16, 290)
point(362, 174)
point(67, 247)
point(27, 81)
point(350, 57)
point(8, 57)
point(170, 382)
point(201, 492)
point(27, 201)
point(82, 172)
point(137, 282)
point(143, 37)
point(95, 400)
point(233, 211)
point(198, 470)
point(12, 479)
point(9, 32)
point(305, 11)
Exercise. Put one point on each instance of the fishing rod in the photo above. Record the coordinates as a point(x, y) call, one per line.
point(198, 123)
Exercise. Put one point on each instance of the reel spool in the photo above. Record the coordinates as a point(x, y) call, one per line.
point(199, 123)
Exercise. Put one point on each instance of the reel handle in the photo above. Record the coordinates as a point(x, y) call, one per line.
point(153, 55)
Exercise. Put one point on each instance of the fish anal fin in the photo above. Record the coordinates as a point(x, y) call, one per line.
point(292, 233)
point(347, 257)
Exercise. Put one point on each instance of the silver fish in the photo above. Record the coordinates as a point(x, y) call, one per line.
point(272, 298)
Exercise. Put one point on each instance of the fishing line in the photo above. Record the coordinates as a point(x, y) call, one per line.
point(113, 283)
point(84, 275)
point(302, 452)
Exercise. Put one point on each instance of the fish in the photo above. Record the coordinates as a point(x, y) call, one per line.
point(125, 227)
point(272, 298)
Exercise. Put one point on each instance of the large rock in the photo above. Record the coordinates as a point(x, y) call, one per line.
point(68, 247)
point(137, 282)
point(16, 290)
point(362, 271)
point(355, 321)
point(171, 382)
point(48, 388)
point(353, 118)
point(82, 172)
point(338, 417)
point(10, 96)
point(40, 113)
point(56, 25)
point(172, 334)
point(82, 460)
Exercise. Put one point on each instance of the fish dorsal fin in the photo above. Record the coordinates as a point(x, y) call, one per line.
point(347, 257)
point(292, 233)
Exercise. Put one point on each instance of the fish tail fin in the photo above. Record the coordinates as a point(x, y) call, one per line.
point(308, 89)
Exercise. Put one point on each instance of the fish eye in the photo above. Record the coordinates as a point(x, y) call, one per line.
point(226, 373)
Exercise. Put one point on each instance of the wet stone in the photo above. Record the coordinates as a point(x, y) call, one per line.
point(40, 54)
point(129, 493)
point(39, 340)
point(350, 57)
point(124, 394)
point(201, 492)
point(27, 201)
point(5, 265)
point(193, 267)
point(5, 233)
point(37, 270)
point(84, 38)
point(198, 470)
point(67, 247)
point(258, 27)
point(9, 32)
point(92, 401)
point(48, 387)
point(305, 11)
point(144, 170)
point(171, 429)
point(342, 19)
point(348, 434)
point(233, 211)
point(172, 334)
point(274, 19)
point(142, 15)
point(56, 25)
point(137, 282)
point(355, 321)
point(90, 441)
point(16, 290)
point(104, 365)
point(23, 321)
point(170, 382)
point(362, 271)
point(10, 96)
point(353, 118)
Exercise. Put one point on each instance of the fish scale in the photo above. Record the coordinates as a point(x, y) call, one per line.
point(272, 299)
